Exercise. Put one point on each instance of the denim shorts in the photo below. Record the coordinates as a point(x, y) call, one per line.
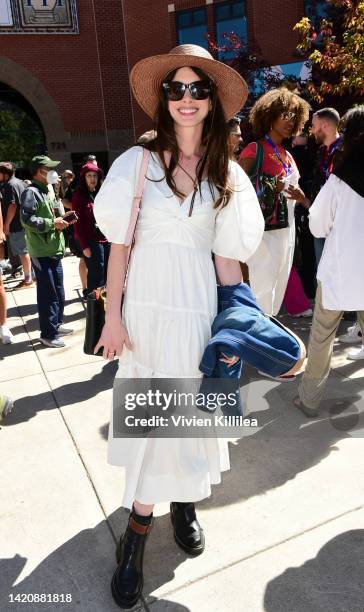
point(17, 242)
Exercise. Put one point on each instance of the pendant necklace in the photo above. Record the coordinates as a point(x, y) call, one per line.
point(194, 180)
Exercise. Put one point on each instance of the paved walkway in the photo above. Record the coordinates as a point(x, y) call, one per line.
point(284, 531)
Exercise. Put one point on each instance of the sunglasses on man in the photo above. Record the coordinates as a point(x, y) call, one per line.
point(175, 90)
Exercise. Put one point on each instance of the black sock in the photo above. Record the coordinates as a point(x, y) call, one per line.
point(142, 520)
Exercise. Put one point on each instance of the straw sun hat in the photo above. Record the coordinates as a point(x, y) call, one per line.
point(147, 75)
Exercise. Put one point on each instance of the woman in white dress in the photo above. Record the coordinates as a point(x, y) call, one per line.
point(195, 202)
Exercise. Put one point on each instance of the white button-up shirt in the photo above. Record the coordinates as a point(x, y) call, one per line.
point(337, 214)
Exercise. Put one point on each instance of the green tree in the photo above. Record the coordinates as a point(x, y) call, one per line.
point(334, 46)
point(20, 135)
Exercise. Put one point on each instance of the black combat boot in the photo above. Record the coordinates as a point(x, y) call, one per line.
point(127, 582)
point(187, 530)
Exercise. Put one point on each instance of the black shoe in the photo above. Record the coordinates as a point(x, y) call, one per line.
point(127, 582)
point(187, 530)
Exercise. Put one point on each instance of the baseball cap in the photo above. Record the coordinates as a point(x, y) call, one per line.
point(44, 160)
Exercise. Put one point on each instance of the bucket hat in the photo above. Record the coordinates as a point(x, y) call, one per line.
point(90, 167)
point(147, 74)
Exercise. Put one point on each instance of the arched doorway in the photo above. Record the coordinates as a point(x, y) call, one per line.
point(21, 132)
point(43, 107)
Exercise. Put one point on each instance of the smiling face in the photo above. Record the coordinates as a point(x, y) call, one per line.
point(188, 112)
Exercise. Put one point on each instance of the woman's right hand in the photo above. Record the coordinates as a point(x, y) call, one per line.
point(281, 183)
point(113, 337)
point(87, 252)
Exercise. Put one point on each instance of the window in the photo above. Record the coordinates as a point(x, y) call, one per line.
point(230, 17)
point(192, 27)
point(263, 77)
point(317, 10)
point(6, 17)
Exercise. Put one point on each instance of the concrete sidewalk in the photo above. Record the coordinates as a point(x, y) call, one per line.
point(284, 530)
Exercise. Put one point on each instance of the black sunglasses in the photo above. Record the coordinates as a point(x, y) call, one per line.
point(175, 90)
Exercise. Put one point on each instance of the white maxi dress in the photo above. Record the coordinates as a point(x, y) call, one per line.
point(271, 264)
point(170, 303)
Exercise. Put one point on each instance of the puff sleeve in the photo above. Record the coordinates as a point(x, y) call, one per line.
point(239, 226)
point(113, 203)
point(322, 212)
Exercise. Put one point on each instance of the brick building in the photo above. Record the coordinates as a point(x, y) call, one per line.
point(70, 59)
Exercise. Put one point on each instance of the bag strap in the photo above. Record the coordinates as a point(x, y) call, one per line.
point(258, 162)
point(137, 200)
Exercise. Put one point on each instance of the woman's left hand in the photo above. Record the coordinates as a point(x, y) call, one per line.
point(229, 360)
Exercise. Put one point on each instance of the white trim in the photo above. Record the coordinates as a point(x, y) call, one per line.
point(171, 8)
point(6, 16)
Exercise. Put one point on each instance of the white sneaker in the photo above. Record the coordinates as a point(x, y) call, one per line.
point(6, 336)
point(305, 313)
point(55, 343)
point(352, 336)
point(64, 331)
point(6, 406)
point(356, 355)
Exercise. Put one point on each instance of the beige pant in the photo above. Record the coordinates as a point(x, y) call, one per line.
point(320, 346)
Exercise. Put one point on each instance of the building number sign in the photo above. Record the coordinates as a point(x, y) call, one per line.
point(38, 16)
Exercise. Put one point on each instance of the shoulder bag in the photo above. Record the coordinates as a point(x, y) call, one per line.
point(273, 204)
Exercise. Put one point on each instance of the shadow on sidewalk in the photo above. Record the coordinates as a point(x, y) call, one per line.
point(83, 566)
point(332, 581)
point(26, 310)
point(28, 406)
point(32, 325)
point(16, 348)
point(286, 443)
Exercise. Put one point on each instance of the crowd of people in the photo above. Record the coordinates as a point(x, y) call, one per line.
point(267, 210)
point(41, 218)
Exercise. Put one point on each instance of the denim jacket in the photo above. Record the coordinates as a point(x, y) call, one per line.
point(242, 329)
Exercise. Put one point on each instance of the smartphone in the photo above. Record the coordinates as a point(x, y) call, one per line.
point(70, 216)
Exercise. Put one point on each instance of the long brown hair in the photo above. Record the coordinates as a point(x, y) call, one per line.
point(214, 140)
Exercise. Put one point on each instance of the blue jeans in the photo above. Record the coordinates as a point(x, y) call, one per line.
point(241, 329)
point(50, 294)
point(97, 264)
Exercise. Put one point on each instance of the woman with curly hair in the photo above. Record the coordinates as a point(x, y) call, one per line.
point(275, 117)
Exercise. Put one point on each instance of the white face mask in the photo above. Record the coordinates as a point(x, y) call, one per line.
point(52, 177)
